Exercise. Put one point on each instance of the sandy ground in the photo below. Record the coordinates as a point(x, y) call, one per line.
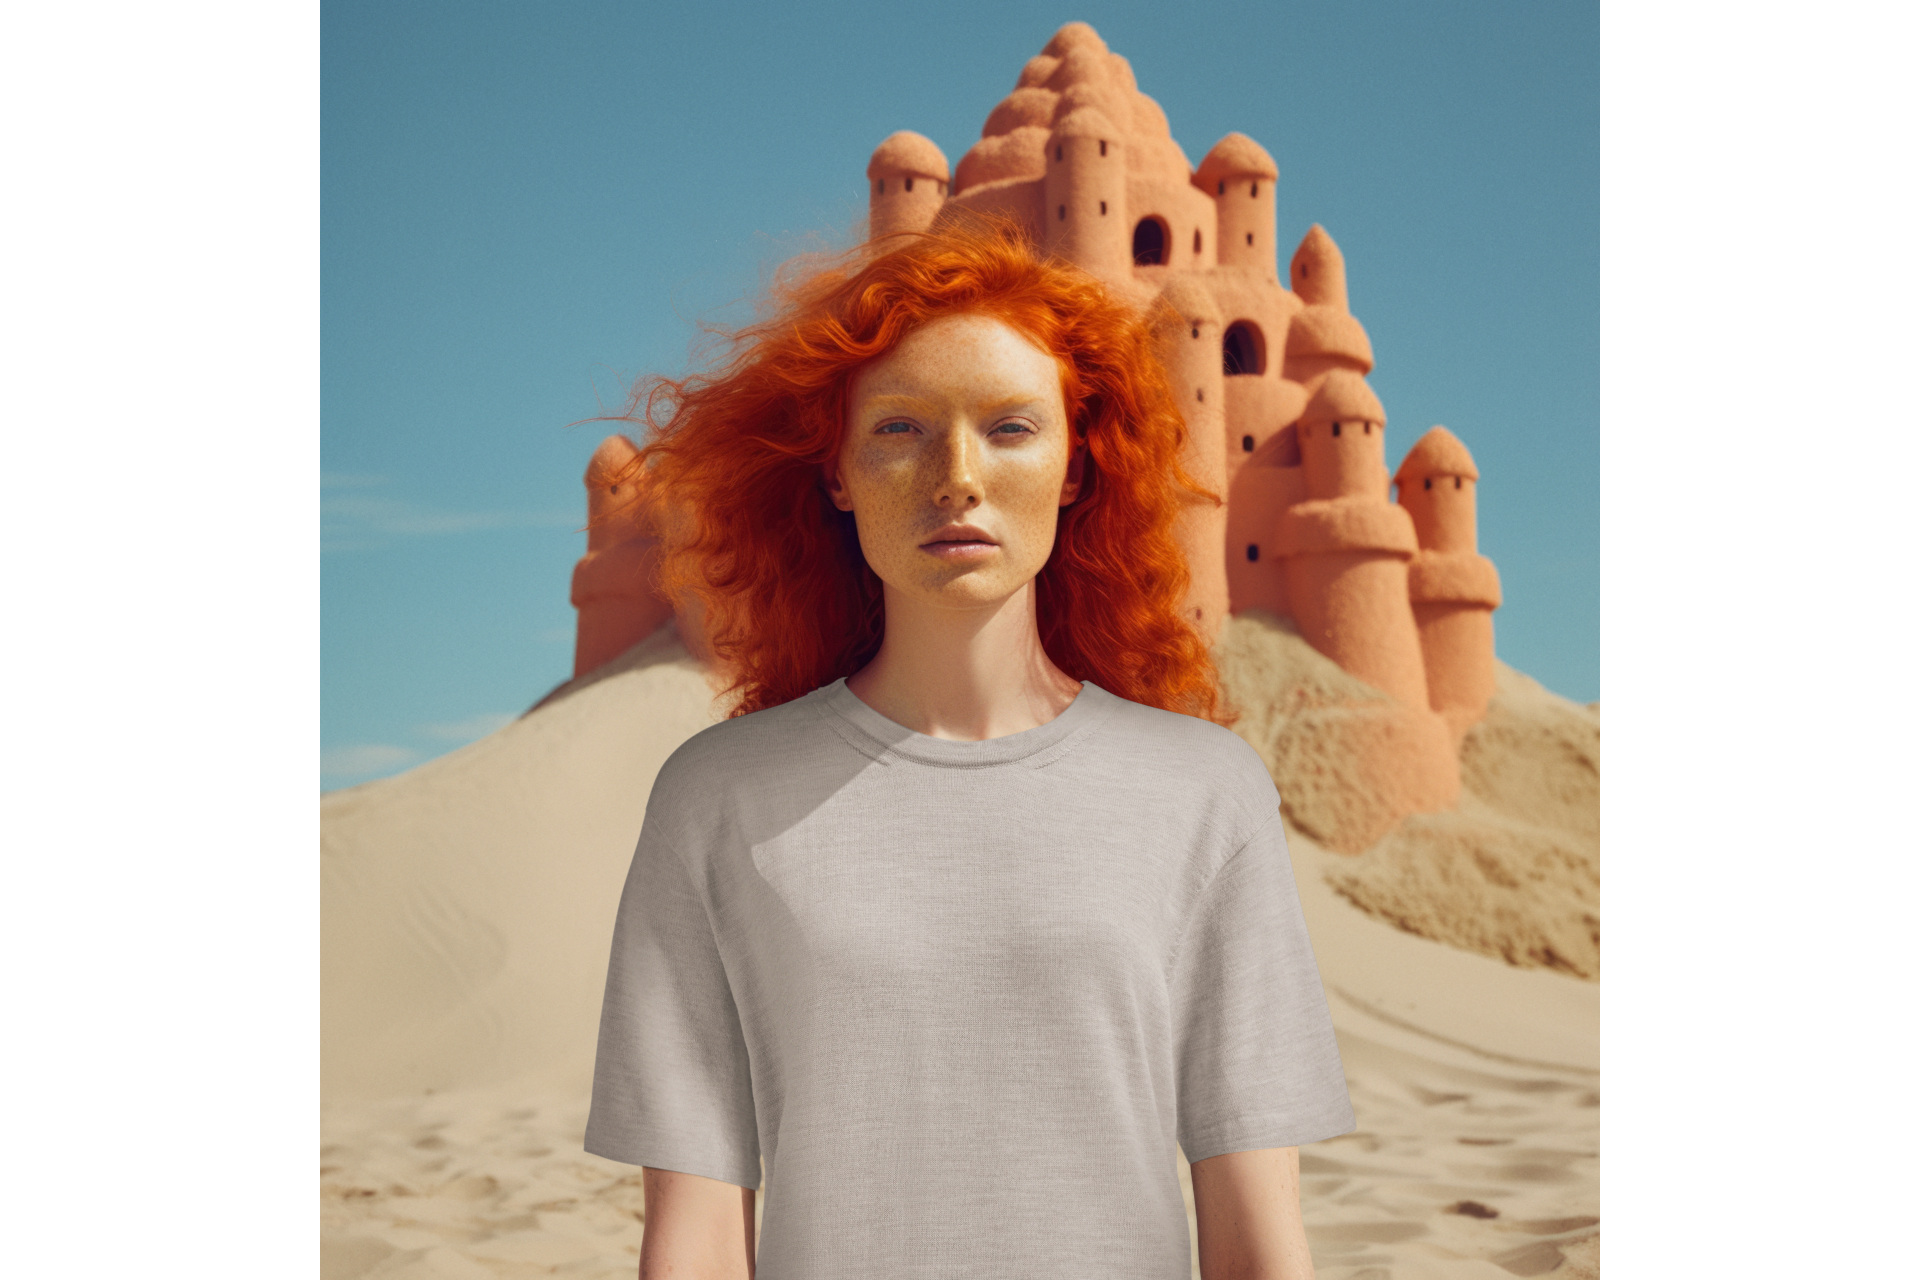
point(1458, 1170)
point(1463, 1166)
point(466, 910)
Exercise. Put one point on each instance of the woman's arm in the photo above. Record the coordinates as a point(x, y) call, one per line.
point(1247, 1207)
point(694, 1228)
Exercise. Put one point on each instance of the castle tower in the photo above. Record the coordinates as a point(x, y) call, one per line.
point(1187, 331)
point(1454, 589)
point(1347, 546)
point(1239, 175)
point(613, 582)
point(906, 185)
point(1085, 190)
point(1319, 270)
point(1324, 335)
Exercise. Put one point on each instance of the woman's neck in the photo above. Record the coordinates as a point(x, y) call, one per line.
point(966, 674)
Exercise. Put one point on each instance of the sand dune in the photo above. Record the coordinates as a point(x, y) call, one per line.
point(1513, 872)
point(466, 911)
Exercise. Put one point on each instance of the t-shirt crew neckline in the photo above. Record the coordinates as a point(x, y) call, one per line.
point(879, 737)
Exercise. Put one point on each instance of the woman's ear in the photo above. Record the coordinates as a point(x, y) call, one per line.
point(1076, 472)
point(830, 481)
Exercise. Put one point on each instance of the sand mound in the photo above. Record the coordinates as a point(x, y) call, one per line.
point(1513, 872)
point(467, 905)
point(1352, 758)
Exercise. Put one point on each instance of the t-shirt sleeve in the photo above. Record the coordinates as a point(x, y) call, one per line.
point(1255, 1058)
point(671, 1086)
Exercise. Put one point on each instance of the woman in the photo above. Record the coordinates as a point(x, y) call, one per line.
point(970, 911)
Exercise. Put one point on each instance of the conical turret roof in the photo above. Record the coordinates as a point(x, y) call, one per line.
point(1192, 300)
point(1437, 453)
point(1075, 35)
point(1319, 270)
point(907, 153)
point(614, 457)
point(1234, 156)
point(1328, 331)
point(1086, 122)
point(1344, 396)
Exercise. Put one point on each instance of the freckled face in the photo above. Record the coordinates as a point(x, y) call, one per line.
point(962, 424)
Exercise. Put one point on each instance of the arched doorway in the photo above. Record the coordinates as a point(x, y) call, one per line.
point(1243, 350)
point(1149, 242)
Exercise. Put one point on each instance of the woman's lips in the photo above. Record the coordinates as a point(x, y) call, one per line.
point(962, 549)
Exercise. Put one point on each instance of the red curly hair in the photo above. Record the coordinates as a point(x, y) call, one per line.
point(790, 603)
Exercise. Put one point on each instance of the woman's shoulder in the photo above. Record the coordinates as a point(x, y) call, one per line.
point(1193, 754)
point(746, 743)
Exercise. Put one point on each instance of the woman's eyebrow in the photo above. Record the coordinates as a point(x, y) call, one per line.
point(896, 398)
point(893, 401)
point(1036, 407)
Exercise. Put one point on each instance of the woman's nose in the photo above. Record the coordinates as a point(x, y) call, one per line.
point(958, 481)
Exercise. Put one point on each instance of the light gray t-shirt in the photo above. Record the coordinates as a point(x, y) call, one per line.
point(963, 997)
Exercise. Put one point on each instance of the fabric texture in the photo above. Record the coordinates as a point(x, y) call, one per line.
point(958, 1001)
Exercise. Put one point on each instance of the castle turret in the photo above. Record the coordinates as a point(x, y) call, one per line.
point(613, 583)
point(1347, 546)
point(1453, 588)
point(1239, 175)
point(1319, 270)
point(906, 184)
point(1086, 195)
point(1323, 335)
point(1188, 332)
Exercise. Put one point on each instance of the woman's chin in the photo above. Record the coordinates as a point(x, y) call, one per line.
point(967, 587)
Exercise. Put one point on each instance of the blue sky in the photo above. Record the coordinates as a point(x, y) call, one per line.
point(525, 207)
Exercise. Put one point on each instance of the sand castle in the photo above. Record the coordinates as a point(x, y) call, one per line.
point(1272, 379)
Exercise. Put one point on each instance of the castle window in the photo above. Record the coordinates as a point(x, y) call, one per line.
point(1200, 394)
point(1253, 551)
point(1244, 350)
point(908, 184)
point(1059, 152)
point(1456, 482)
point(1103, 208)
point(1196, 240)
point(1149, 242)
point(1429, 482)
point(1249, 237)
point(1223, 186)
point(880, 187)
point(1103, 146)
point(1336, 431)
point(1246, 444)
point(1063, 213)
point(1196, 331)
point(1366, 428)
point(1254, 191)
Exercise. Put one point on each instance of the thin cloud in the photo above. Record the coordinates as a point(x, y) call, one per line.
point(469, 729)
point(354, 519)
point(364, 760)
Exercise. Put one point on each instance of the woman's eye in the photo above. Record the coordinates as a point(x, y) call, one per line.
point(1016, 428)
point(893, 428)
